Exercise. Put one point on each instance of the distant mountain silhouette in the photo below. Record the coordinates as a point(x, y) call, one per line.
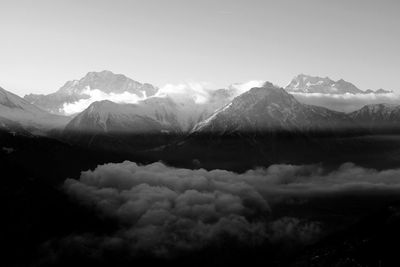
point(313, 84)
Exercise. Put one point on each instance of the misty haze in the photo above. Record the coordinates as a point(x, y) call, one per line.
point(200, 133)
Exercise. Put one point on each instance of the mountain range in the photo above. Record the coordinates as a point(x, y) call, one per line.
point(312, 84)
point(156, 114)
point(377, 116)
point(270, 108)
point(259, 109)
point(230, 136)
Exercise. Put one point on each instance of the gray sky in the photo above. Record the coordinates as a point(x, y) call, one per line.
point(44, 43)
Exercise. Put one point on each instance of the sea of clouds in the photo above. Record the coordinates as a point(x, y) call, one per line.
point(164, 211)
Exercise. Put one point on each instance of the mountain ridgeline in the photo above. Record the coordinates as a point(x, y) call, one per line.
point(313, 84)
point(267, 121)
point(259, 109)
point(18, 115)
point(378, 117)
point(266, 108)
point(237, 136)
point(267, 125)
point(270, 108)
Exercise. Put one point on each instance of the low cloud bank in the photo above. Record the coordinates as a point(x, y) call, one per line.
point(199, 92)
point(93, 95)
point(346, 102)
point(163, 210)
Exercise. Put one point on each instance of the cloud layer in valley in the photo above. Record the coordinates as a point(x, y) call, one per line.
point(346, 102)
point(93, 95)
point(164, 210)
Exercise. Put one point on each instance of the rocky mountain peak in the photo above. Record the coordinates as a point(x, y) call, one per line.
point(313, 84)
point(105, 81)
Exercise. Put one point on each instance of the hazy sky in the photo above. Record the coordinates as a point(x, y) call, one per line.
point(44, 43)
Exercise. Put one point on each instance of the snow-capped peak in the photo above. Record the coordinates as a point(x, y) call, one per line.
point(314, 84)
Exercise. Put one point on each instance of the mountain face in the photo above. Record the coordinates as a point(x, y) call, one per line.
point(270, 108)
point(309, 84)
point(16, 103)
point(109, 117)
point(128, 128)
point(15, 112)
point(181, 113)
point(105, 81)
point(378, 116)
point(267, 125)
point(123, 128)
point(154, 115)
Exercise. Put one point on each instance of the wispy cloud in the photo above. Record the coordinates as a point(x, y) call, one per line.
point(93, 95)
point(240, 88)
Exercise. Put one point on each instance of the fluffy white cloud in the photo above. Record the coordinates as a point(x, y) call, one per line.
point(164, 210)
point(167, 209)
point(199, 92)
point(346, 102)
point(93, 95)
